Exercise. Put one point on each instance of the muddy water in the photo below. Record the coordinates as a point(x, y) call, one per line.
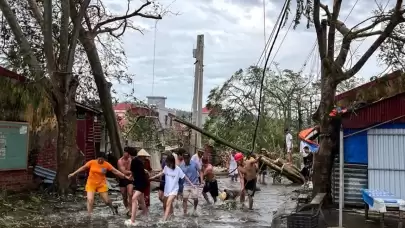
point(267, 201)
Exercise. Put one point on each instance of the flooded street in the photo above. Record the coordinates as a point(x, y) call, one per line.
point(267, 202)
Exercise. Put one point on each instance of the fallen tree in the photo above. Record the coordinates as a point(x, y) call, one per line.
point(288, 170)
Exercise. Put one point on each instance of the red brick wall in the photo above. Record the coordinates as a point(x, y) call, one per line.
point(17, 180)
point(47, 154)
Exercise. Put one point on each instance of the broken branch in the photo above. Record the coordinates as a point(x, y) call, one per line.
point(127, 16)
point(396, 19)
point(332, 28)
point(75, 34)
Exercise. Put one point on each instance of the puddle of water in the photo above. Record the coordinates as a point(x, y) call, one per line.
point(266, 202)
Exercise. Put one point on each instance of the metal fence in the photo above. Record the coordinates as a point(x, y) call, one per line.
point(355, 178)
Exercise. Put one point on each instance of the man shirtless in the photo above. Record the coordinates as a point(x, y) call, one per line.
point(248, 174)
point(211, 184)
point(126, 186)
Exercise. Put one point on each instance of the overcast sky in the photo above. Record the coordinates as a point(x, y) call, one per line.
point(234, 39)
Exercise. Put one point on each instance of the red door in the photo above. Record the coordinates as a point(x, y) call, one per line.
point(81, 134)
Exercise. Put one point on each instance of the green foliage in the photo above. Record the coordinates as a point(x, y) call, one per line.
point(142, 128)
point(16, 98)
point(234, 107)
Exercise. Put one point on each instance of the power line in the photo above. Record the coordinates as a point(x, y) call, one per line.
point(263, 54)
point(281, 44)
point(284, 13)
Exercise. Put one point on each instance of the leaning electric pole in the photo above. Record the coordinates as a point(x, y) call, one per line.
point(198, 54)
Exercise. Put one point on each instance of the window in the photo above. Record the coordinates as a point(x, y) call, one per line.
point(166, 119)
point(171, 121)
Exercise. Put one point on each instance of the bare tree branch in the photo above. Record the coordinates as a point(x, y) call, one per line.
point(332, 27)
point(137, 12)
point(64, 33)
point(37, 13)
point(48, 38)
point(21, 39)
point(318, 29)
point(396, 18)
point(75, 33)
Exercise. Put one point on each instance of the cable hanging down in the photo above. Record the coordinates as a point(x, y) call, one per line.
point(283, 13)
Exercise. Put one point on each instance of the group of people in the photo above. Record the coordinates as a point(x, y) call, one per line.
point(180, 178)
point(133, 173)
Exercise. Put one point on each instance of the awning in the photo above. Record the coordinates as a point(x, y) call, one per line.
point(310, 134)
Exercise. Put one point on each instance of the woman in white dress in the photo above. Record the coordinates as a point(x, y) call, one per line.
point(233, 167)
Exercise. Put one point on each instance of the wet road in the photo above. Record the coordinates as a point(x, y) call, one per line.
point(267, 202)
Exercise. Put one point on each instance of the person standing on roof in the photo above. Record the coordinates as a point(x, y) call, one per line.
point(288, 144)
point(248, 174)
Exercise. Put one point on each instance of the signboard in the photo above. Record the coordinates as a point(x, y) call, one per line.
point(14, 138)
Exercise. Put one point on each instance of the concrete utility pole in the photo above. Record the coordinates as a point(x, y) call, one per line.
point(198, 54)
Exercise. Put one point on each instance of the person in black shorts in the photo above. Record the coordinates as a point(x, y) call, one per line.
point(211, 184)
point(140, 185)
point(126, 187)
point(308, 161)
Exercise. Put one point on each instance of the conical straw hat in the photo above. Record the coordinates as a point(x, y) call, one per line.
point(222, 196)
point(143, 153)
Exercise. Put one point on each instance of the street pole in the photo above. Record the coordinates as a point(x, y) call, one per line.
point(200, 63)
point(341, 177)
point(195, 99)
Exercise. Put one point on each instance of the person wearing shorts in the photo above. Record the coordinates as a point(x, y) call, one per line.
point(211, 184)
point(192, 172)
point(97, 181)
point(126, 187)
point(248, 176)
point(141, 183)
point(173, 174)
point(288, 144)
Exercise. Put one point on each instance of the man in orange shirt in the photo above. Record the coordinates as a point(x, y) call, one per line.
point(97, 182)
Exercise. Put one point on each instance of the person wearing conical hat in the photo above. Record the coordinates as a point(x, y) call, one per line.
point(145, 157)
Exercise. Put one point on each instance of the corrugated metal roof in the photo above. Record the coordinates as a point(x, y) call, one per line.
point(378, 112)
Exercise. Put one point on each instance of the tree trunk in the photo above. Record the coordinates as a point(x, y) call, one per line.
point(323, 159)
point(67, 153)
point(104, 92)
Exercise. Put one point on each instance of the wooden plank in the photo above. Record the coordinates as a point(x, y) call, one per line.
point(318, 198)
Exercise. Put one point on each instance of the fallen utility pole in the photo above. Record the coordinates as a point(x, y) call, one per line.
point(289, 171)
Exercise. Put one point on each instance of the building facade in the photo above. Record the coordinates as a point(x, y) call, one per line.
point(374, 139)
point(159, 104)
